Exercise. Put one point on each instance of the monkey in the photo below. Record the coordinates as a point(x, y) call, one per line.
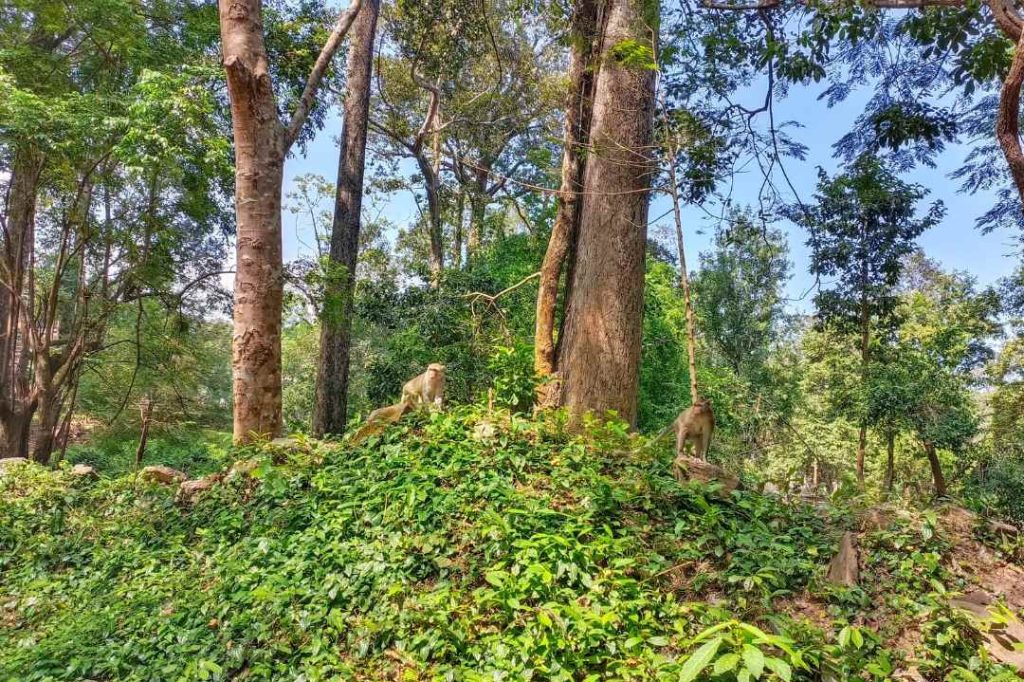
point(427, 388)
point(695, 426)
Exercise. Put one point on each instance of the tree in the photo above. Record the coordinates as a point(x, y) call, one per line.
point(738, 302)
point(739, 291)
point(262, 142)
point(331, 409)
point(114, 164)
point(583, 34)
point(599, 360)
point(946, 325)
point(863, 224)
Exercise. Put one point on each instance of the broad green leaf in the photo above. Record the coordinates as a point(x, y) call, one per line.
point(780, 668)
point(699, 660)
point(726, 663)
point(754, 660)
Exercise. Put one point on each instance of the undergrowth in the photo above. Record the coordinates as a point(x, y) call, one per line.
point(428, 555)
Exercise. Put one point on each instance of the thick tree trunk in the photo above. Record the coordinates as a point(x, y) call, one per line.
point(432, 185)
point(937, 478)
point(331, 410)
point(600, 361)
point(890, 460)
point(576, 135)
point(259, 163)
point(460, 211)
point(261, 145)
point(17, 252)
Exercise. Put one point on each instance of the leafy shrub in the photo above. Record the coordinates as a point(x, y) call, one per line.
point(423, 554)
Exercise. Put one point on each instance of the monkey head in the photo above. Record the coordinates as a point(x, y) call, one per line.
point(435, 368)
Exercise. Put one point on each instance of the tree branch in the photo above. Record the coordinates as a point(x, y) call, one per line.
point(323, 60)
point(1008, 118)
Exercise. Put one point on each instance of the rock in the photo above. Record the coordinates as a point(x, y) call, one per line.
point(164, 475)
point(693, 469)
point(997, 526)
point(286, 443)
point(844, 568)
point(8, 463)
point(84, 471)
point(959, 520)
point(770, 489)
point(1004, 641)
point(188, 490)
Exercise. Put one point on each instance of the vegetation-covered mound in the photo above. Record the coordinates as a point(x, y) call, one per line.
point(447, 550)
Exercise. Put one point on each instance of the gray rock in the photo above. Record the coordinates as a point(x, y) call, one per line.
point(844, 568)
point(162, 474)
point(84, 471)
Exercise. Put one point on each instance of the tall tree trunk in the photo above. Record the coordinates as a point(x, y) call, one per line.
point(460, 211)
point(576, 134)
point(600, 361)
point(865, 358)
point(261, 145)
point(684, 283)
point(18, 248)
point(331, 410)
point(435, 227)
point(890, 460)
point(937, 478)
point(477, 211)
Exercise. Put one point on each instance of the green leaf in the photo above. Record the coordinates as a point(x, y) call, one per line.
point(857, 638)
point(726, 663)
point(780, 668)
point(699, 660)
point(754, 660)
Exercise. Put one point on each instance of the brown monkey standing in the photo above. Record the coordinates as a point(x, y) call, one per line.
point(695, 426)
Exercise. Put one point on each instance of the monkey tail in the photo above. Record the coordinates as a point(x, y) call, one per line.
point(655, 439)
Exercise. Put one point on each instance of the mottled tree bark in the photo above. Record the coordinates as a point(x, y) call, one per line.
point(435, 226)
point(576, 135)
point(937, 478)
point(477, 211)
point(600, 360)
point(261, 145)
point(1008, 19)
point(331, 410)
point(890, 461)
point(17, 405)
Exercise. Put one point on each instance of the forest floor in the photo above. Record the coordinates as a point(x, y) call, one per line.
point(447, 551)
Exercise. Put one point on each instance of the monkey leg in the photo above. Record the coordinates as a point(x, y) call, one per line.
point(705, 443)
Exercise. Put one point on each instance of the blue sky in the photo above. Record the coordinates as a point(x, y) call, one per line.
point(955, 243)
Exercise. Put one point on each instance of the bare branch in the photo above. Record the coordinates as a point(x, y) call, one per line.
point(323, 60)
